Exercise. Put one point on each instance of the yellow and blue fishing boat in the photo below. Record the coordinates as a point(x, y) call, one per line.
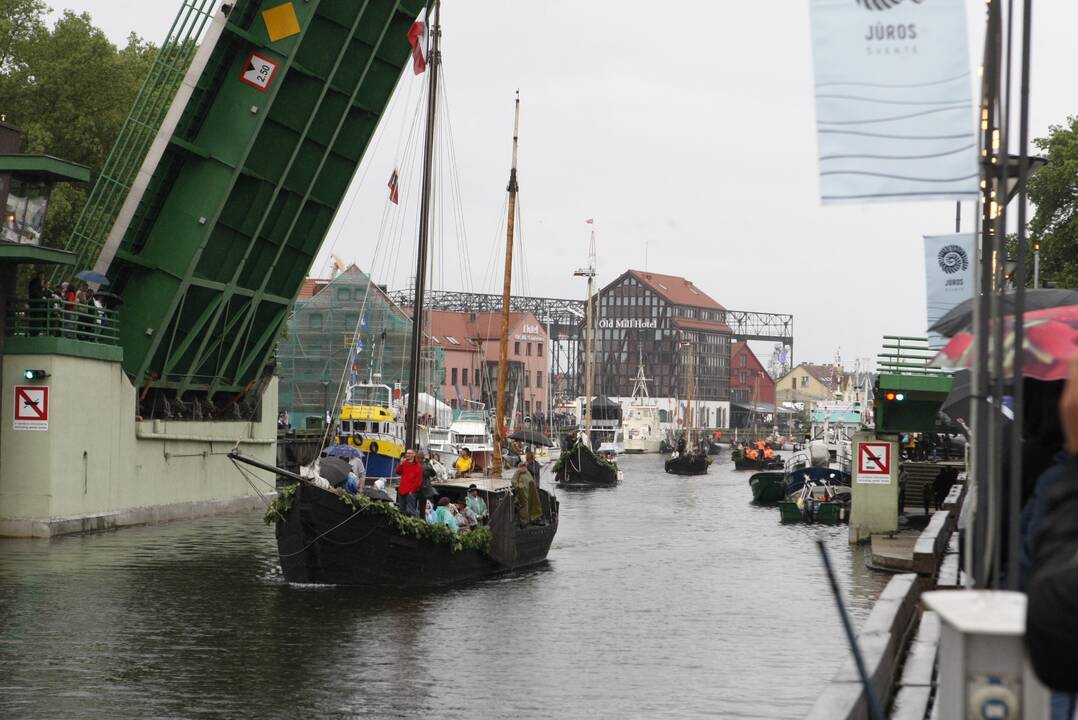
point(370, 423)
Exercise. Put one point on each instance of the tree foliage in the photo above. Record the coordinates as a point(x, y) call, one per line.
point(1053, 189)
point(69, 90)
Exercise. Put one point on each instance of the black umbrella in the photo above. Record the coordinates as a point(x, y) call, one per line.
point(531, 437)
point(334, 469)
point(960, 317)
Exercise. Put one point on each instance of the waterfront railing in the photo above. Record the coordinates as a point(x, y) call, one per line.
point(61, 319)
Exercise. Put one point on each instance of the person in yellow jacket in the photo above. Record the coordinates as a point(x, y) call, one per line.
point(463, 464)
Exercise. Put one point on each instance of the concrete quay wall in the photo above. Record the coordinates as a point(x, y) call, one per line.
point(98, 467)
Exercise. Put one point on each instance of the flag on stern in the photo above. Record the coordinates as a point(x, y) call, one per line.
point(417, 38)
point(394, 196)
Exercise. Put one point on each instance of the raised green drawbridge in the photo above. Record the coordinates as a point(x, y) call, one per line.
point(228, 172)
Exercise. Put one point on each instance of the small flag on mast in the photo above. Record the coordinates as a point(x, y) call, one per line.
point(393, 196)
point(417, 38)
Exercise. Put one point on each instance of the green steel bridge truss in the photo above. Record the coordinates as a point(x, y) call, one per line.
point(241, 193)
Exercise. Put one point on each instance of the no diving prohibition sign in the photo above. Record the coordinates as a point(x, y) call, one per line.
point(874, 462)
point(31, 407)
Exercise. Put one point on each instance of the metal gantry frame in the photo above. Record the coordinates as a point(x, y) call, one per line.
point(563, 319)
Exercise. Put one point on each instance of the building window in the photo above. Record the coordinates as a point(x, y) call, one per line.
point(464, 377)
point(744, 360)
point(453, 377)
point(344, 294)
point(528, 349)
point(804, 381)
point(538, 407)
point(314, 321)
point(539, 350)
point(516, 347)
point(527, 378)
point(527, 407)
point(538, 378)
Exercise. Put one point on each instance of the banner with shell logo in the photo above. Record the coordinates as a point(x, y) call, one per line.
point(949, 278)
point(895, 116)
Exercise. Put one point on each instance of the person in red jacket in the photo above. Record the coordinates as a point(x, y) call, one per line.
point(411, 475)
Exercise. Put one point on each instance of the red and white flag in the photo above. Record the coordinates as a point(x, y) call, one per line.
point(590, 221)
point(394, 197)
point(417, 38)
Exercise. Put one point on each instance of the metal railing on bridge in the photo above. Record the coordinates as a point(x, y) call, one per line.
point(60, 319)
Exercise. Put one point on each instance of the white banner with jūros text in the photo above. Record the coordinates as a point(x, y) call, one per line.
point(949, 276)
point(895, 118)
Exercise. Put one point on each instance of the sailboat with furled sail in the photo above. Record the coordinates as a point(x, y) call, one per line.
point(327, 535)
point(579, 464)
point(689, 458)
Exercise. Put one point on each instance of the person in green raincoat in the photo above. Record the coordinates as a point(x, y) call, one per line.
point(526, 502)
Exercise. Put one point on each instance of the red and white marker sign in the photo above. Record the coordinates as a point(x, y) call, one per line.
point(874, 458)
point(259, 72)
point(31, 407)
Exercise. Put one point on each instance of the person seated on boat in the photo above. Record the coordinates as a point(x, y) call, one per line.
point(526, 502)
point(444, 516)
point(466, 517)
point(681, 446)
point(464, 463)
point(429, 513)
point(377, 491)
point(356, 464)
point(411, 483)
point(769, 454)
point(752, 453)
point(477, 504)
point(440, 473)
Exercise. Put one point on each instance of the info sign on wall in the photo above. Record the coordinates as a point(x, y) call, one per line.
point(874, 463)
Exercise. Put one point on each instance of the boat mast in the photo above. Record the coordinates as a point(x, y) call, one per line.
point(503, 342)
point(412, 412)
point(589, 337)
point(688, 400)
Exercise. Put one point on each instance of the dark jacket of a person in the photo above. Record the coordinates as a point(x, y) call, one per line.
point(1052, 609)
point(38, 291)
point(429, 476)
point(533, 468)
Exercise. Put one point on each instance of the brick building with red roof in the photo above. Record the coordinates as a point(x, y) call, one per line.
point(645, 316)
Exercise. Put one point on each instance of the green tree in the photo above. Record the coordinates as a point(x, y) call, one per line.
point(69, 89)
point(1054, 191)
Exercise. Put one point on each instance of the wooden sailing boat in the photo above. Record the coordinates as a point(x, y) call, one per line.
point(579, 464)
point(326, 536)
point(688, 459)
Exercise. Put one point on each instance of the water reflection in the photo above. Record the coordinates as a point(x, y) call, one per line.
point(665, 596)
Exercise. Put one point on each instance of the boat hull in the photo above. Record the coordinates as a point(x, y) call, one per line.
point(768, 487)
point(579, 467)
point(322, 540)
point(687, 465)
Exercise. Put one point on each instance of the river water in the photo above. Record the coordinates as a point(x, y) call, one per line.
point(663, 597)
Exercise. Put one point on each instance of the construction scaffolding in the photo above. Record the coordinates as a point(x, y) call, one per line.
point(348, 332)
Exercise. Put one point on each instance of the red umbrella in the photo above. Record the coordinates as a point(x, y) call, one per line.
point(1050, 341)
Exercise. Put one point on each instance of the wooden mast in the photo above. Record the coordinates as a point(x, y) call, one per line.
point(690, 378)
point(411, 414)
point(589, 341)
point(503, 342)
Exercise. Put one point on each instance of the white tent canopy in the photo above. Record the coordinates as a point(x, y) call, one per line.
point(429, 405)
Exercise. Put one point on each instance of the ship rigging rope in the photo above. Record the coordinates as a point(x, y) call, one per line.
point(306, 547)
point(247, 475)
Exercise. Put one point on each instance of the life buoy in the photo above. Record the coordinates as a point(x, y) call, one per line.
point(374, 448)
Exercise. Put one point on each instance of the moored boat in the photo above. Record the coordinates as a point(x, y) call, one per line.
point(641, 424)
point(368, 422)
point(768, 486)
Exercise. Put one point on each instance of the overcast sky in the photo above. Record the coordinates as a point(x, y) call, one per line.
point(686, 129)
